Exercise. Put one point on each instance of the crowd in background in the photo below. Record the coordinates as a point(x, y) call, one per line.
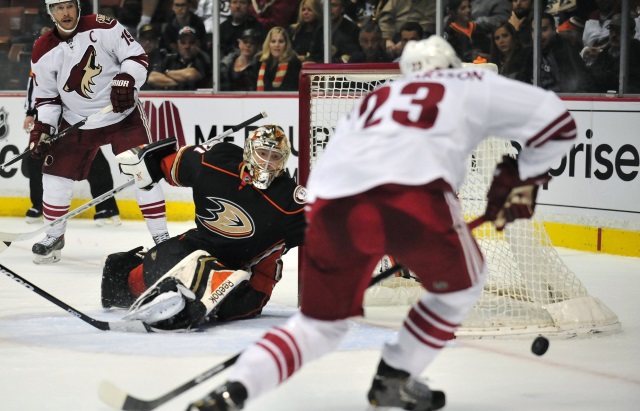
point(265, 43)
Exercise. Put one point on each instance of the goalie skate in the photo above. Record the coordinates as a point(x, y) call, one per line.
point(47, 250)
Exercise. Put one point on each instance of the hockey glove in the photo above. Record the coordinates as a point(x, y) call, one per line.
point(509, 197)
point(143, 163)
point(40, 143)
point(123, 92)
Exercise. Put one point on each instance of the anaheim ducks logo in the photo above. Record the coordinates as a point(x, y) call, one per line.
point(81, 77)
point(227, 219)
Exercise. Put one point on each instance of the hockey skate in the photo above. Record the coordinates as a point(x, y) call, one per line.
point(107, 217)
point(47, 250)
point(228, 397)
point(34, 216)
point(394, 389)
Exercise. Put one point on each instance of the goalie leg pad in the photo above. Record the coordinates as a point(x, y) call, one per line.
point(186, 295)
point(114, 288)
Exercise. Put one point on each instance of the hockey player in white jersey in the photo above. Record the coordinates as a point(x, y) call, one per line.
point(80, 67)
point(386, 184)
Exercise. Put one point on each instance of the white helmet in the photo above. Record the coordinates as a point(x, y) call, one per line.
point(263, 170)
point(50, 3)
point(425, 55)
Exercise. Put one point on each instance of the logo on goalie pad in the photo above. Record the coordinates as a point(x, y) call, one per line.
point(221, 291)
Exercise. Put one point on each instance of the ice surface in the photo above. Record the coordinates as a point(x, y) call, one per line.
point(50, 360)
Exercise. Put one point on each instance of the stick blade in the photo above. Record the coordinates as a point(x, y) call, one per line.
point(118, 399)
point(112, 395)
point(4, 245)
point(130, 326)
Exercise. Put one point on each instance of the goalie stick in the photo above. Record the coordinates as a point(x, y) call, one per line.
point(7, 238)
point(126, 326)
point(121, 400)
point(63, 133)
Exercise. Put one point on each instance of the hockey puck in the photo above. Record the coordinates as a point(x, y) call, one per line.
point(540, 345)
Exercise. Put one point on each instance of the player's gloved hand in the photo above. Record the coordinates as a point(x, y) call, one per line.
point(132, 163)
point(39, 140)
point(123, 92)
point(509, 197)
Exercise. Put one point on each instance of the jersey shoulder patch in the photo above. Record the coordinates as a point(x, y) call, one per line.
point(96, 21)
point(300, 195)
point(44, 44)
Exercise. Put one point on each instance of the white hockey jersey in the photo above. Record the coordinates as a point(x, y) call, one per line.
point(75, 75)
point(416, 130)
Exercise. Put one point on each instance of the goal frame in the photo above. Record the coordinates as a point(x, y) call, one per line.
point(567, 307)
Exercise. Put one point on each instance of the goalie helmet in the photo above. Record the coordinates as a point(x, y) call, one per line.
point(425, 55)
point(49, 3)
point(266, 153)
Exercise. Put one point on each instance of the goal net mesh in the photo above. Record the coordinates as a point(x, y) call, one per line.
point(529, 289)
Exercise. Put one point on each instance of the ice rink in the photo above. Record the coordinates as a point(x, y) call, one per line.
point(50, 360)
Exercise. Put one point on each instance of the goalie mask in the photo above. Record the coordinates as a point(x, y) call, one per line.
point(266, 153)
point(426, 55)
point(50, 3)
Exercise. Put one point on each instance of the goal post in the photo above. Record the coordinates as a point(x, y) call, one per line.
point(529, 289)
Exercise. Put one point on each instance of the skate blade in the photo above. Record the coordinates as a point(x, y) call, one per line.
point(50, 258)
point(34, 220)
point(114, 221)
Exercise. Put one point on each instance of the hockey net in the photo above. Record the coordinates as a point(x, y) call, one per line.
point(529, 289)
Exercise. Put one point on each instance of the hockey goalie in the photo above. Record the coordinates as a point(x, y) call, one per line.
point(248, 213)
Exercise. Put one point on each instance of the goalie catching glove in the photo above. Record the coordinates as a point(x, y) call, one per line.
point(509, 197)
point(143, 163)
point(188, 294)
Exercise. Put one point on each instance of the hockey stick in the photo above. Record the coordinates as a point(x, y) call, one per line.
point(119, 399)
point(127, 326)
point(8, 238)
point(476, 222)
point(63, 133)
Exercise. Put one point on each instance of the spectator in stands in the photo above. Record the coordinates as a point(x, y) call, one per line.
point(372, 46)
point(274, 13)
point(153, 11)
point(183, 16)
point(345, 33)
point(521, 19)
point(572, 29)
point(410, 30)
point(561, 68)
point(239, 21)
point(278, 65)
point(238, 68)
point(464, 35)
point(306, 34)
point(190, 69)
point(205, 12)
point(605, 69)
point(149, 39)
point(488, 14)
point(362, 11)
point(596, 33)
point(506, 50)
point(397, 12)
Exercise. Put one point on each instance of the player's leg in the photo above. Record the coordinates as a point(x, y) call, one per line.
point(131, 132)
point(57, 195)
point(34, 168)
point(335, 274)
point(101, 181)
point(437, 246)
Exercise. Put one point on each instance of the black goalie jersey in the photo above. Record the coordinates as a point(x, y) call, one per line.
point(236, 222)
